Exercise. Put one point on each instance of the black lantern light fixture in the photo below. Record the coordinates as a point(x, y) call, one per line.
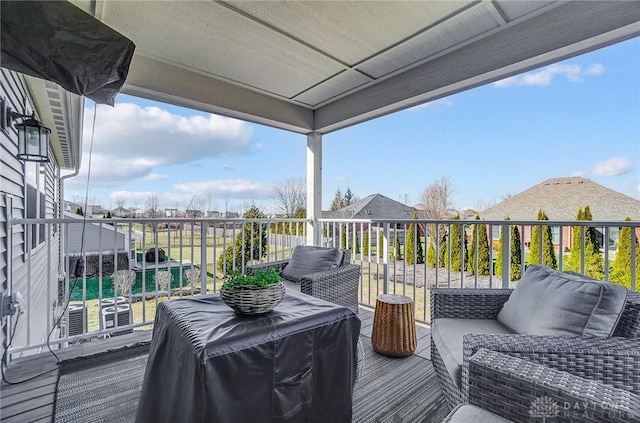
point(33, 136)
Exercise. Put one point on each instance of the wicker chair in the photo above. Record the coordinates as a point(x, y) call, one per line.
point(339, 285)
point(612, 361)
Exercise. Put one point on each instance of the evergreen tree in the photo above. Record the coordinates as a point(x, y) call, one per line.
point(355, 244)
point(621, 269)
point(249, 244)
point(470, 266)
point(337, 202)
point(298, 227)
point(414, 252)
point(499, 261)
point(431, 248)
point(443, 251)
point(107, 215)
point(431, 254)
point(573, 262)
point(343, 237)
point(459, 252)
point(365, 247)
point(80, 211)
point(348, 198)
point(516, 254)
point(380, 246)
point(482, 257)
point(397, 251)
point(548, 254)
point(593, 260)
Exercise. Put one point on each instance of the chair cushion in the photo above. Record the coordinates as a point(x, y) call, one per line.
point(447, 337)
point(467, 413)
point(548, 302)
point(308, 259)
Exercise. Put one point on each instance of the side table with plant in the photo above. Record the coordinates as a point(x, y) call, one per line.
point(255, 293)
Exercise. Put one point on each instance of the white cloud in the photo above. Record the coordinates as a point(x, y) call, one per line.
point(228, 188)
point(612, 167)
point(544, 76)
point(155, 177)
point(227, 167)
point(130, 141)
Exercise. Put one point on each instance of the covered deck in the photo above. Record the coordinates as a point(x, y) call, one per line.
point(102, 380)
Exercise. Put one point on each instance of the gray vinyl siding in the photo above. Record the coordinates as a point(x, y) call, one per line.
point(33, 273)
point(97, 238)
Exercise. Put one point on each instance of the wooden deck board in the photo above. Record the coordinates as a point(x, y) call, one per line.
point(33, 400)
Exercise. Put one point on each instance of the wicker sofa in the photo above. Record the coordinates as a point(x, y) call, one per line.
point(506, 388)
point(610, 360)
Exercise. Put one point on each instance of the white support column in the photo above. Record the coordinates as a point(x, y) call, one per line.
point(314, 187)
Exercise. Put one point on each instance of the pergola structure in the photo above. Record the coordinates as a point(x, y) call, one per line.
point(313, 67)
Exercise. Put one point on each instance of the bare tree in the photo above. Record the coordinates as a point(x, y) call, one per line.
point(153, 210)
point(121, 202)
point(210, 203)
point(290, 195)
point(436, 198)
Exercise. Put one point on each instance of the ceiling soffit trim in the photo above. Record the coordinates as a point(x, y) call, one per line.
point(449, 74)
point(148, 79)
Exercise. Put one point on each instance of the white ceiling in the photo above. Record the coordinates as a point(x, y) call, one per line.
point(323, 65)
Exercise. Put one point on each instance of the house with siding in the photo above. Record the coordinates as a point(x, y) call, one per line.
point(35, 190)
point(374, 206)
point(561, 198)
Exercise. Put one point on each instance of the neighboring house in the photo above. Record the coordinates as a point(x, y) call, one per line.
point(561, 198)
point(193, 213)
point(35, 190)
point(374, 206)
point(120, 212)
point(170, 212)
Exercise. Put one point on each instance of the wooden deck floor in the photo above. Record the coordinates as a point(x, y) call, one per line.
point(34, 399)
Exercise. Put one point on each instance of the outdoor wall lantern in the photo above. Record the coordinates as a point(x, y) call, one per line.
point(33, 136)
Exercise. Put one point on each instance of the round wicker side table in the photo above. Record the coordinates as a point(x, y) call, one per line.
point(394, 326)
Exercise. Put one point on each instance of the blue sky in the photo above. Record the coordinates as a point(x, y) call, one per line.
point(577, 117)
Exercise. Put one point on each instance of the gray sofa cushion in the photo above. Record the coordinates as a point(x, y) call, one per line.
point(467, 413)
point(447, 337)
point(308, 259)
point(548, 302)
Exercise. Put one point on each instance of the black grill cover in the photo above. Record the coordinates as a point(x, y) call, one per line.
point(59, 42)
point(207, 364)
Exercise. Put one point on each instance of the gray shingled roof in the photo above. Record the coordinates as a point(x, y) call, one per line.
point(561, 198)
point(374, 206)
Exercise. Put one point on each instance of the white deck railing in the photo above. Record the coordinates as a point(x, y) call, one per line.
point(68, 303)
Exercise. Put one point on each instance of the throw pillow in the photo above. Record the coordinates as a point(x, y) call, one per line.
point(548, 302)
point(306, 260)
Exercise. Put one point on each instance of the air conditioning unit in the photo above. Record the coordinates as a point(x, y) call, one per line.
point(77, 319)
point(123, 315)
point(110, 302)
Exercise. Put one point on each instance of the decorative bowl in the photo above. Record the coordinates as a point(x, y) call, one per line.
point(253, 299)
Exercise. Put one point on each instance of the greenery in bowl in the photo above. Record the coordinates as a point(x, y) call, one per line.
point(256, 278)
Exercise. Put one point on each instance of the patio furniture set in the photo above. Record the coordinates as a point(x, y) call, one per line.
point(560, 347)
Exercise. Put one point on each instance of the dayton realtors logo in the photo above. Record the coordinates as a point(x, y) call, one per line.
point(546, 409)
